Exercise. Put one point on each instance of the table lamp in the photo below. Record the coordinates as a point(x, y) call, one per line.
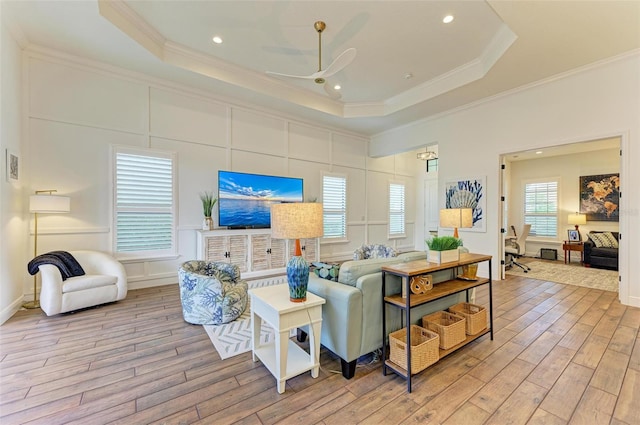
point(456, 217)
point(296, 221)
point(44, 204)
point(577, 219)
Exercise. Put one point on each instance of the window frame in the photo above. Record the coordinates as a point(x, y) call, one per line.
point(533, 233)
point(402, 212)
point(171, 252)
point(343, 236)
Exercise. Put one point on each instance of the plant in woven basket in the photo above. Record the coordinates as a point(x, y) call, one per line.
point(443, 243)
point(208, 201)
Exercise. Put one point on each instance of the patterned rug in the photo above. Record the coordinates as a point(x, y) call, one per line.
point(231, 339)
point(606, 280)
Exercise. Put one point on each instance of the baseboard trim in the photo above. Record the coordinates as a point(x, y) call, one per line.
point(10, 310)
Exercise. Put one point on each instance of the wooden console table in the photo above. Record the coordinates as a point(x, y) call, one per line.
point(440, 290)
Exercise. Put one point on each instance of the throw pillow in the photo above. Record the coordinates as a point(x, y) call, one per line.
point(604, 240)
point(327, 271)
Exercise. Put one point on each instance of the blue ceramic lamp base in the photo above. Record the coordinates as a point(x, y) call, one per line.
point(298, 278)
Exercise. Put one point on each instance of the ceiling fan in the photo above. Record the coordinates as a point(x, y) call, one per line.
point(320, 76)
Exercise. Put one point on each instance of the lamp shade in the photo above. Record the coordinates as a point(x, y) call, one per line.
point(296, 220)
point(577, 218)
point(456, 217)
point(49, 204)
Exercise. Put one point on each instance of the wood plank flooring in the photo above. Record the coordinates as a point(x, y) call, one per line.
point(561, 355)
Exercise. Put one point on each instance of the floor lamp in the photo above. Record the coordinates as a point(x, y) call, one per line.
point(297, 221)
point(44, 204)
point(456, 217)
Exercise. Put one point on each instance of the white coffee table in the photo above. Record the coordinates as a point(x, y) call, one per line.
point(283, 357)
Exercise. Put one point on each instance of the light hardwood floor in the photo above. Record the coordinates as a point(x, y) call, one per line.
point(561, 355)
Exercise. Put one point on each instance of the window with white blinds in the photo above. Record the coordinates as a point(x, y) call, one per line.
point(334, 204)
point(541, 208)
point(396, 209)
point(144, 208)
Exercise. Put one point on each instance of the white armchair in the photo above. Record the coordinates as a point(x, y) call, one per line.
point(104, 281)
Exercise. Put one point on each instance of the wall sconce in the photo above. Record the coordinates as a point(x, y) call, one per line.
point(44, 204)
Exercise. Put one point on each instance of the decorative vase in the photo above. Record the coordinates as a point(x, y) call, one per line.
point(207, 223)
point(447, 256)
point(297, 278)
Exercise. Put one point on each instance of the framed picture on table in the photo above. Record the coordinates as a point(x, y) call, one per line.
point(574, 235)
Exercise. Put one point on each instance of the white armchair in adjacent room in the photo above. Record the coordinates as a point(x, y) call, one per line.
point(104, 281)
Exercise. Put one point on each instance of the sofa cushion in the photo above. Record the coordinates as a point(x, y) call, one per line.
point(350, 271)
point(88, 281)
point(604, 240)
point(327, 271)
point(604, 252)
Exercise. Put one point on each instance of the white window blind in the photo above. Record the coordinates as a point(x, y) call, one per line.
point(334, 204)
point(396, 209)
point(144, 202)
point(541, 208)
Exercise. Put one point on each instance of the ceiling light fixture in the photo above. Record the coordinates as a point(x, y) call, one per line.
point(447, 19)
point(337, 87)
point(538, 152)
point(217, 40)
point(426, 155)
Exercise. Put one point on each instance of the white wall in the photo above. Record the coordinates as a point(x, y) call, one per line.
point(13, 230)
point(77, 110)
point(589, 104)
point(567, 169)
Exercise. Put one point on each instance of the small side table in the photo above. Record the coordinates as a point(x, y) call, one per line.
point(284, 358)
point(573, 246)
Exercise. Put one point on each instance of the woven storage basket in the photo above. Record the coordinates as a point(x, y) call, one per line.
point(449, 326)
point(424, 348)
point(475, 315)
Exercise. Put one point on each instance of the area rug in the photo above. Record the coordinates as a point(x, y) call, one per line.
point(606, 280)
point(231, 339)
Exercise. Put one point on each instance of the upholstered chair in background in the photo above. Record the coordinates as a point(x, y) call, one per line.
point(212, 293)
point(104, 281)
point(373, 251)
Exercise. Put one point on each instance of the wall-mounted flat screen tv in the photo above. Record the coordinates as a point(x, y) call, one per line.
point(244, 200)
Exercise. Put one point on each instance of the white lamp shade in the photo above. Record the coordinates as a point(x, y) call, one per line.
point(456, 217)
point(49, 204)
point(577, 218)
point(296, 220)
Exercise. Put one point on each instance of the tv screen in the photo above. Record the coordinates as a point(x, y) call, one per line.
point(244, 200)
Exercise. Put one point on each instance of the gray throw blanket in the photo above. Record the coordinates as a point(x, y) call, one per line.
point(68, 266)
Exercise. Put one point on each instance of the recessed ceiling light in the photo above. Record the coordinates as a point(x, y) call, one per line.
point(408, 76)
point(538, 152)
point(447, 19)
point(217, 40)
point(337, 87)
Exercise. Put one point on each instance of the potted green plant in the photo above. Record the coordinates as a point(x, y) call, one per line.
point(443, 249)
point(208, 201)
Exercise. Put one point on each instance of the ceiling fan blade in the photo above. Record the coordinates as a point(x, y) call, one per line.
point(304, 77)
point(333, 93)
point(341, 61)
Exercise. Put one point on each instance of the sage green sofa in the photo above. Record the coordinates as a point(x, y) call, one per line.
point(352, 314)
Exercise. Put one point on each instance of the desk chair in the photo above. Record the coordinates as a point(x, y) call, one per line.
point(515, 247)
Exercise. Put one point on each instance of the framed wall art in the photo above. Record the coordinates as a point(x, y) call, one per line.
point(469, 193)
point(600, 197)
point(12, 165)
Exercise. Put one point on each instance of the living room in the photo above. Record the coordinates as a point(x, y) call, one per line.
point(63, 114)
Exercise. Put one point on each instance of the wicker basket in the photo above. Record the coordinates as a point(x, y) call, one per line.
point(475, 315)
point(449, 326)
point(424, 348)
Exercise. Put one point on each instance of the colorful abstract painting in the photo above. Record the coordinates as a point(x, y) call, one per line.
point(600, 197)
